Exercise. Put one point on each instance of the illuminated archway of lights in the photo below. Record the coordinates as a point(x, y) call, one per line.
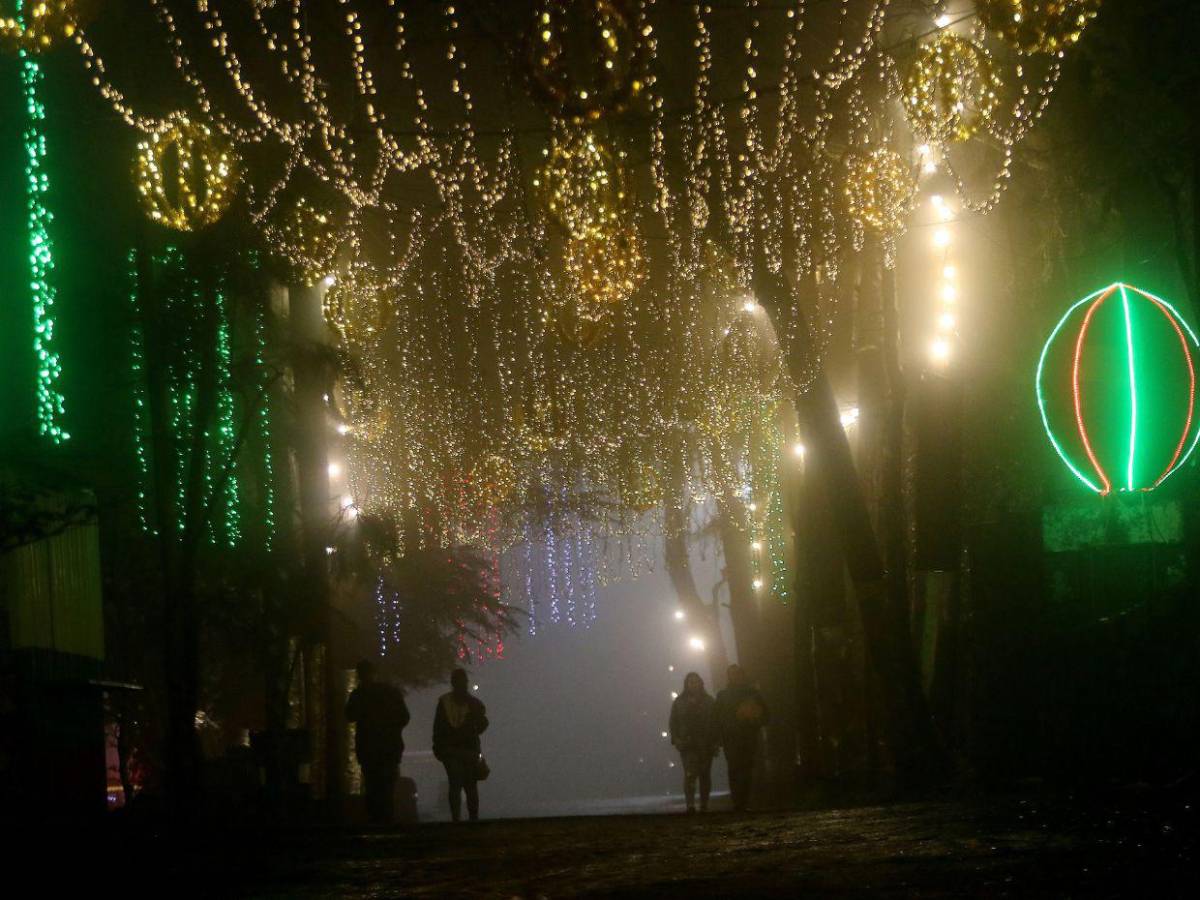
point(1116, 388)
point(449, 310)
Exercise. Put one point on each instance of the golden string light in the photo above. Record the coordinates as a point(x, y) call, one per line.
point(186, 174)
point(952, 90)
point(307, 239)
point(1037, 26)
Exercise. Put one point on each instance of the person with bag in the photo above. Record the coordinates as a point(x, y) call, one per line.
point(379, 714)
point(459, 721)
point(741, 714)
point(693, 730)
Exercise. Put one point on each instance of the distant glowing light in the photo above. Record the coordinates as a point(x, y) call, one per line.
point(949, 272)
point(947, 321)
point(329, 281)
point(665, 734)
point(756, 546)
point(349, 507)
point(753, 507)
point(798, 450)
point(758, 584)
point(334, 470)
point(850, 416)
point(329, 551)
point(680, 615)
point(949, 293)
point(939, 350)
point(670, 668)
point(941, 237)
point(343, 429)
point(674, 695)
point(749, 306)
point(696, 643)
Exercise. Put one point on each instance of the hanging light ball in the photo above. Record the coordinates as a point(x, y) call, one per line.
point(583, 57)
point(186, 174)
point(36, 26)
point(1037, 26)
point(879, 191)
point(1116, 387)
point(306, 238)
point(951, 91)
point(582, 183)
point(605, 267)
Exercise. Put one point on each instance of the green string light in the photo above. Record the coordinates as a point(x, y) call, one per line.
point(264, 427)
point(50, 400)
point(137, 367)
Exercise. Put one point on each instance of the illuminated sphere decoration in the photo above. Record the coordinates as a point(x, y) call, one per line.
point(951, 91)
point(306, 238)
point(1037, 26)
point(581, 184)
point(605, 268)
point(36, 26)
point(583, 57)
point(879, 190)
point(186, 174)
point(1116, 386)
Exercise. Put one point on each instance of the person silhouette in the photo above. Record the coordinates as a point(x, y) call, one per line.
point(379, 714)
point(459, 721)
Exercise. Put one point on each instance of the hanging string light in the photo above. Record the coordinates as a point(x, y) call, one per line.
point(36, 26)
point(879, 191)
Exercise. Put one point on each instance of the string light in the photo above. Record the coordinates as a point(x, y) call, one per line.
point(952, 89)
point(186, 174)
point(51, 405)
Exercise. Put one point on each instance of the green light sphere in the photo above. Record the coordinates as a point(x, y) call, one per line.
point(1116, 386)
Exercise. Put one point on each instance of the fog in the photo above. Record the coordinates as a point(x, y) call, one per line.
point(578, 712)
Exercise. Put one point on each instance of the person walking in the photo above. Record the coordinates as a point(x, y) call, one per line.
point(741, 713)
point(379, 714)
point(459, 721)
point(693, 731)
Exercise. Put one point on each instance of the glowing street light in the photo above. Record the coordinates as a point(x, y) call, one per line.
point(941, 237)
point(696, 643)
point(798, 450)
point(940, 351)
point(680, 615)
point(334, 470)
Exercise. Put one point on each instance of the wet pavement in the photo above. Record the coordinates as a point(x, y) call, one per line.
point(1127, 846)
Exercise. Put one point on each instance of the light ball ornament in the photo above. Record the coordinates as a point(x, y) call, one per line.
point(187, 174)
point(604, 267)
point(1037, 26)
point(951, 91)
point(36, 26)
point(1116, 388)
point(306, 238)
point(581, 184)
point(880, 189)
point(583, 57)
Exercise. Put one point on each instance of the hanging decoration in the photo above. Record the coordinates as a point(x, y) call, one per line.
point(879, 191)
point(186, 174)
point(1116, 387)
point(51, 404)
point(582, 184)
point(605, 267)
point(36, 26)
point(640, 487)
point(951, 91)
point(1037, 26)
point(583, 57)
point(306, 239)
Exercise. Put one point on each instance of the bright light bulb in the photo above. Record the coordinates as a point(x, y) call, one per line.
point(940, 350)
point(949, 293)
point(756, 546)
point(942, 21)
point(680, 615)
point(696, 643)
point(941, 237)
point(329, 280)
point(749, 306)
point(757, 583)
point(343, 428)
point(670, 668)
point(334, 470)
point(798, 450)
point(664, 734)
point(674, 695)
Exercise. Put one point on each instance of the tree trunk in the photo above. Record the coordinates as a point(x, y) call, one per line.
point(885, 625)
point(734, 529)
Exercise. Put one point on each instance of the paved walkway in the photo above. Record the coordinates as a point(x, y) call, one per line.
point(1129, 846)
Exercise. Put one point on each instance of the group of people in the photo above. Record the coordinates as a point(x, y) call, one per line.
point(701, 726)
point(380, 714)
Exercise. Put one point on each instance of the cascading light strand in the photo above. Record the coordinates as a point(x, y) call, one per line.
point(51, 406)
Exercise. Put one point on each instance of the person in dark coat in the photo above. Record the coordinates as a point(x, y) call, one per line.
point(741, 713)
point(379, 714)
point(457, 725)
point(694, 734)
